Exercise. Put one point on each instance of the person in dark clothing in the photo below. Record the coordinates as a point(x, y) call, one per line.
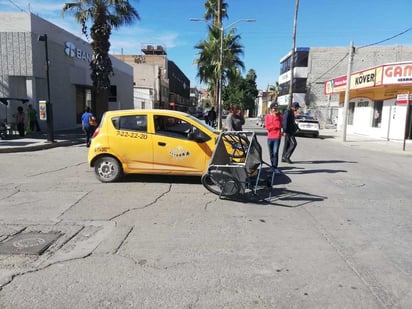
point(289, 131)
point(20, 121)
point(211, 115)
point(235, 119)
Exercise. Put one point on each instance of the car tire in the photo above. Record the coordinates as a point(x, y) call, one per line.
point(221, 183)
point(107, 169)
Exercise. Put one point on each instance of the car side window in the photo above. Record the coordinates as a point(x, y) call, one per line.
point(171, 126)
point(132, 123)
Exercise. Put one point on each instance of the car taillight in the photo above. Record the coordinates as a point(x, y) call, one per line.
point(96, 132)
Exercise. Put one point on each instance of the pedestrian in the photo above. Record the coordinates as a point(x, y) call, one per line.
point(273, 124)
point(289, 131)
point(211, 115)
point(20, 121)
point(88, 126)
point(235, 119)
point(32, 117)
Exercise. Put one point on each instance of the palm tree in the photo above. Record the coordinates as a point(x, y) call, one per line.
point(273, 92)
point(215, 10)
point(104, 15)
point(208, 63)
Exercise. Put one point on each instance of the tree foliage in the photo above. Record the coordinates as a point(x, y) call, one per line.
point(103, 15)
point(242, 91)
point(212, 65)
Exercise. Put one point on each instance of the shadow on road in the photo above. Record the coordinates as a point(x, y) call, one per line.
point(277, 197)
point(324, 161)
point(161, 179)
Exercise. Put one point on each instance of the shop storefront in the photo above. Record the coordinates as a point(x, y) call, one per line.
point(23, 70)
point(379, 101)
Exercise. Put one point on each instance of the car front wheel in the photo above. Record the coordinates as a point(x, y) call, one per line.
point(107, 169)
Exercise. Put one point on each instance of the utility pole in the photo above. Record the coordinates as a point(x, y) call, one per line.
point(49, 106)
point(159, 76)
point(292, 55)
point(347, 91)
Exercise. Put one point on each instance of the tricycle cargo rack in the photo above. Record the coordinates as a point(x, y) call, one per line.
point(236, 166)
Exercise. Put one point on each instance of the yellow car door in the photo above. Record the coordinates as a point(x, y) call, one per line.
point(174, 149)
point(132, 142)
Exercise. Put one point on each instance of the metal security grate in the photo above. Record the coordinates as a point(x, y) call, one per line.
point(32, 243)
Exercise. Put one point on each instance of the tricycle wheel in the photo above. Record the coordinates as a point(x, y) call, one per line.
point(221, 183)
point(107, 169)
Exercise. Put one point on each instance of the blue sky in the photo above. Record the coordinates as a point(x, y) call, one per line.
point(321, 23)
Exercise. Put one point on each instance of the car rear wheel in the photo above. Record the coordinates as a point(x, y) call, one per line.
point(221, 183)
point(107, 169)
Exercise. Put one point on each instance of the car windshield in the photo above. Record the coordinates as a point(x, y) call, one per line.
point(203, 124)
point(305, 117)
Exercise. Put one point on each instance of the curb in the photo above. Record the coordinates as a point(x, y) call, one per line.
point(46, 145)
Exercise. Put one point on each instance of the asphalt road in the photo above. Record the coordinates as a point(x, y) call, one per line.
point(335, 234)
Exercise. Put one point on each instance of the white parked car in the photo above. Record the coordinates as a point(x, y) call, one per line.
point(307, 125)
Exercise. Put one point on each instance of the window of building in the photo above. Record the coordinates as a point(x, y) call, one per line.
point(301, 60)
point(299, 86)
point(377, 114)
point(113, 94)
point(351, 112)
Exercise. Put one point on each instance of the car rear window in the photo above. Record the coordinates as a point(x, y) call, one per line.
point(131, 123)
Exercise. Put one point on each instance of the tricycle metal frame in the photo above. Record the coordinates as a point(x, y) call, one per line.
point(236, 166)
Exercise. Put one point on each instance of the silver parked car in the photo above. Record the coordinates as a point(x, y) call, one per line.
point(307, 125)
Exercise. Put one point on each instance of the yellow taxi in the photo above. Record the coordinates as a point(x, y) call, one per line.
point(150, 142)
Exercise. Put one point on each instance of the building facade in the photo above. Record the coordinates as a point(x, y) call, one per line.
point(315, 65)
point(158, 82)
point(23, 73)
point(379, 102)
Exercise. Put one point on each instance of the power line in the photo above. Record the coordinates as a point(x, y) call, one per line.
point(379, 42)
point(334, 66)
point(13, 3)
point(390, 38)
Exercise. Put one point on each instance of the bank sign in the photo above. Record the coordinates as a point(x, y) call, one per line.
point(72, 51)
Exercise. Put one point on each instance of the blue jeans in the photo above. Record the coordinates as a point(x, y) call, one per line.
point(273, 145)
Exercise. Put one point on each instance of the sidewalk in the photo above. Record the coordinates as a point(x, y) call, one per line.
point(34, 142)
point(367, 142)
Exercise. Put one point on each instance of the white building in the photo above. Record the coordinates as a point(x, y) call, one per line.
point(315, 65)
point(23, 73)
point(378, 101)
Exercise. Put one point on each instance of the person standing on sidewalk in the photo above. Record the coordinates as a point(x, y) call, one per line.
point(289, 131)
point(32, 115)
point(87, 127)
point(273, 124)
point(20, 121)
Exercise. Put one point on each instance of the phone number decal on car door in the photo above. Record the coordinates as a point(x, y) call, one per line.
point(132, 134)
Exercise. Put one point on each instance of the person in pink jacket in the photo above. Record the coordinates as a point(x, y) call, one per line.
point(273, 124)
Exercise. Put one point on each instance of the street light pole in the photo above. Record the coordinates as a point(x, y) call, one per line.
point(219, 98)
point(292, 56)
point(220, 81)
point(49, 107)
